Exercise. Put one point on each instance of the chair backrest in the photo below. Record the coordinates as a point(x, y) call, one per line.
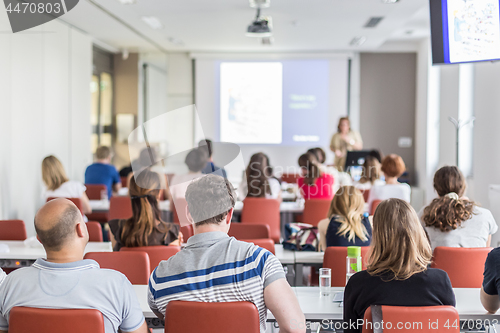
point(366, 194)
point(123, 180)
point(425, 319)
point(156, 253)
point(95, 231)
point(315, 210)
point(24, 319)
point(178, 208)
point(335, 258)
point(465, 266)
point(134, 265)
point(211, 317)
point(267, 244)
point(120, 208)
point(263, 211)
point(76, 201)
point(12, 230)
point(374, 206)
point(290, 178)
point(249, 231)
point(94, 191)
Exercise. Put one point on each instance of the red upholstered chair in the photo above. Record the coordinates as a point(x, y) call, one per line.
point(76, 201)
point(211, 317)
point(366, 194)
point(290, 178)
point(23, 319)
point(12, 230)
point(120, 208)
point(375, 203)
point(335, 258)
point(95, 231)
point(263, 211)
point(411, 319)
point(267, 244)
point(134, 265)
point(249, 231)
point(156, 253)
point(315, 210)
point(94, 193)
point(465, 266)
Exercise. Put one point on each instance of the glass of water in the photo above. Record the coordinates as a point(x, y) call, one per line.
point(325, 281)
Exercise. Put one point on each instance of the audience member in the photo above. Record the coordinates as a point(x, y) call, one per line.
point(491, 282)
point(315, 184)
point(102, 172)
point(343, 141)
point(453, 220)
point(397, 272)
point(251, 274)
point(58, 186)
point(195, 161)
point(346, 225)
point(377, 154)
point(371, 174)
point(65, 280)
point(207, 147)
point(2, 275)
point(259, 181)
point(145, 227)
point(392, 167)
point(148, 160)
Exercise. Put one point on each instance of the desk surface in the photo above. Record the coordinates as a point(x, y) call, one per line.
point(19, 250)
point(316, 307)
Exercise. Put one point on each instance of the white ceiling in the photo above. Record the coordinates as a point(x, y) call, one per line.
point(219, 25)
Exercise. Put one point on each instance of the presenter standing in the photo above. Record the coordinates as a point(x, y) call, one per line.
point(343, 141)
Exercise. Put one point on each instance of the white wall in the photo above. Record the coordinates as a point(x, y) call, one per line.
point(44, 88)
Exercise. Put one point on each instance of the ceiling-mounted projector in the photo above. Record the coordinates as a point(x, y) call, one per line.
point(260, 27)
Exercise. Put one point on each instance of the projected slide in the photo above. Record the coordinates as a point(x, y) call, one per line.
point(473, 30)
point(251, 96)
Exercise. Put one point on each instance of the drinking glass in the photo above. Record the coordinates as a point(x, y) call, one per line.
point(325, 281)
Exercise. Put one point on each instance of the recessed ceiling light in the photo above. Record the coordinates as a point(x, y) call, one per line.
point(127, 2)
point(260, 3)
point(358, 41)
point(390, 1)
point(153, 22)
point(175, 41)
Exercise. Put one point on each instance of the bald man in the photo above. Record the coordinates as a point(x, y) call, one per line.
point(65, 280)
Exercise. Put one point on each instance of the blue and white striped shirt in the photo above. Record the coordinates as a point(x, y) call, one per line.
point(214, 267)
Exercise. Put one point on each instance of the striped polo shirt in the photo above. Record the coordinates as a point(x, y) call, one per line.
point(74, 285)
point(214, 267)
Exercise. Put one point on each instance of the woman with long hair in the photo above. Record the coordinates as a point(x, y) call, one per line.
point(145, 227)
point(259, 181)
point(343, 141)
point(453, 220)
point(346, 225)
point(314, 183)
point(371, 174)
point(57, 184)
point(397, 267)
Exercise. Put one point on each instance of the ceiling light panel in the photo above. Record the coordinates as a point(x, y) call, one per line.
point(153, 22)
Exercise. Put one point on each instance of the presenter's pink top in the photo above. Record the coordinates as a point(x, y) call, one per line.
point(322, 188)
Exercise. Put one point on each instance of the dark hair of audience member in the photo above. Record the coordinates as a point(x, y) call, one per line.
point(195, 160)
point(446, 213)
point(257, 175)
point(146, 214)
point(311, 171)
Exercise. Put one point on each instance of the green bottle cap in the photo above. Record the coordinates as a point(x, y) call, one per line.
point(353, 251)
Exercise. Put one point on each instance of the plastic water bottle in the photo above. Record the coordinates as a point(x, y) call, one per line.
point(353, 261)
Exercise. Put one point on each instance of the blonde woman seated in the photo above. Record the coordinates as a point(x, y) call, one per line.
point(145, 227)
point(346, 225)
point(58, 186)
point(371, 174)
point(453, 220)
point(392, 167)
point(397, 272)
